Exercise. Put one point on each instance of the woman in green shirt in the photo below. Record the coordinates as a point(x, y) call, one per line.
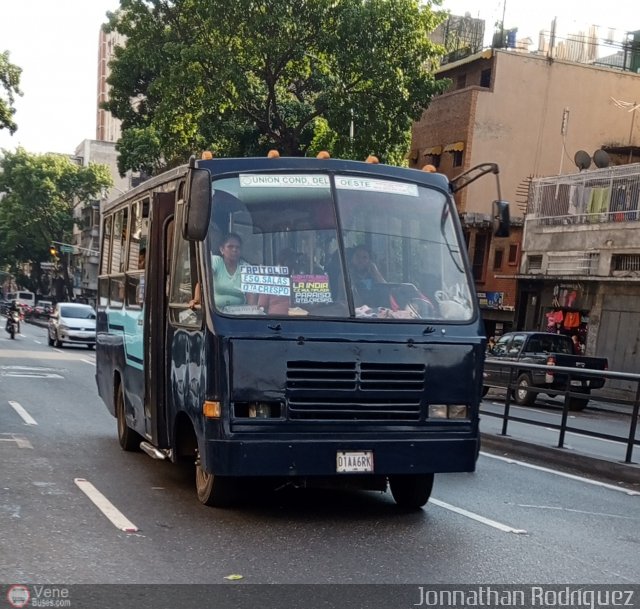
point(226, 273)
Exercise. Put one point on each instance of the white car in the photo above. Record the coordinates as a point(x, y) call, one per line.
point(72, 322)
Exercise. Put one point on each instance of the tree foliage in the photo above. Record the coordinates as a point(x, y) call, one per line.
point(37, 198)
point(10, 87)
point(241, 77)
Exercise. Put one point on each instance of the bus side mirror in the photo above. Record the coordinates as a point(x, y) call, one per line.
point(501, 219)
point(198, 204)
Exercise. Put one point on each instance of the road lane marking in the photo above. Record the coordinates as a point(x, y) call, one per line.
point(117, 518)
point(564, 509)
point(37, 342)
point(26, 417)
point(88, 361)
point(33, 375)
point(21, 441)
point(492, 523)
point(611, 487)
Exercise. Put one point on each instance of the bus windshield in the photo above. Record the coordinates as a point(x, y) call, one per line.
point(342, 246)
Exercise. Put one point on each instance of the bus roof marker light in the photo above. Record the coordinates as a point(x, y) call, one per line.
point(211, 410)
point(323, 154)
point(273, 154)
point(372, 159)
point(429, 169)
point(207, 155)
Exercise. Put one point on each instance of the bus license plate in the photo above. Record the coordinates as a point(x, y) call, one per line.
point(354, 462)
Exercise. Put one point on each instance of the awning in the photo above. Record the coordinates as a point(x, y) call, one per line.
point(433, 151)
point(455, 147)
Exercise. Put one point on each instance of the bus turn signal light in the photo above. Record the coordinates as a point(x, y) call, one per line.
point(211, 410)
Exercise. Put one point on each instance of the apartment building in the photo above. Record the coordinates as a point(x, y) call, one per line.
point(86, 231)
point(529, 112)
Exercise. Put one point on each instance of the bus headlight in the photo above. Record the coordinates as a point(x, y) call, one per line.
point(259, 410)
point(448, 411)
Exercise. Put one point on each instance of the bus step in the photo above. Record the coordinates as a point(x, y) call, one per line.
point(152, 451)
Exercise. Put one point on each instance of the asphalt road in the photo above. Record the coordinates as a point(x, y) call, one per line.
point(508, 522)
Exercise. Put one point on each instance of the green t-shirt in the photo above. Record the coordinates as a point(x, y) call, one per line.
point(226, 287)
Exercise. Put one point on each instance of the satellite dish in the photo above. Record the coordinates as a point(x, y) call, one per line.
point(582, 160)
point(601, 158)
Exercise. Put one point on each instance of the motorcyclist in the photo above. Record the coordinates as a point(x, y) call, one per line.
point(13, 308)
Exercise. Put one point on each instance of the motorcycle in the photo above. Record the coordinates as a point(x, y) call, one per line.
point(13, 323)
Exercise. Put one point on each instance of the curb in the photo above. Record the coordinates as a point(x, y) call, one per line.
point(614, 471)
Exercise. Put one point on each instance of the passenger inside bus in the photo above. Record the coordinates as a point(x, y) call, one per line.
point(226, 274)
point(363, 270)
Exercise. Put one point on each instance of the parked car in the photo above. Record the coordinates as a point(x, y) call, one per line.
point(72, 322)
point(543, 348)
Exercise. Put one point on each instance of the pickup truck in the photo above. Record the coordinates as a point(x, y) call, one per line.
point(546, 349)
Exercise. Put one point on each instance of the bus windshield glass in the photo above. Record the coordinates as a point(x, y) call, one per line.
point(341, 246)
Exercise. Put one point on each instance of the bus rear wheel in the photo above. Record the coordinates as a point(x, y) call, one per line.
point(411, 491)
point(128, 438)
point(216, 491)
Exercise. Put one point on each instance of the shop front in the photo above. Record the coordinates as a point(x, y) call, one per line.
point(498, 318)
point(558, 306)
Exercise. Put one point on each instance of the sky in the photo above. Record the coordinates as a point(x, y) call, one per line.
point(55, 42)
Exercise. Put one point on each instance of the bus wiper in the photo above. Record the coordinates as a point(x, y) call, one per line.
point(275, 327)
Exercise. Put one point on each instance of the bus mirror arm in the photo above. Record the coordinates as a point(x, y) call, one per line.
point(500, 213)
point(198, 204)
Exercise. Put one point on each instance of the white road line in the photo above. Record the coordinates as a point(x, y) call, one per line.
point(88, 361)
point(21, 441)
point(26, 417)
point(611, 487)
point(117, 518)
point(478, 518)
point(37, 342)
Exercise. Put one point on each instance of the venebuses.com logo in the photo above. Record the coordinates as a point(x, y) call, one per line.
point(18, 596)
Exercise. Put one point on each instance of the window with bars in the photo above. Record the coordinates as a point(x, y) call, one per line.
point(625, 262)
point(534, 263)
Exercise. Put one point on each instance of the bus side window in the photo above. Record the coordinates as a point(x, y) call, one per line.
point(182, 284)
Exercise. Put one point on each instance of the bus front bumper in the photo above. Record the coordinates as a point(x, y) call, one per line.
point(340, 457)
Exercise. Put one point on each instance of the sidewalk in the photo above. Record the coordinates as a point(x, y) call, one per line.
point(592, 457)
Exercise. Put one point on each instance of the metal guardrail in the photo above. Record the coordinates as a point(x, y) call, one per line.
point(563, 428)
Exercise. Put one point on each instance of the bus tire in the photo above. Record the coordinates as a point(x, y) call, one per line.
point(129, 439)
point(411, 491)
point(216, 491)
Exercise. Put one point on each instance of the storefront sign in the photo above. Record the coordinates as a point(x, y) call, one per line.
point(491, 300)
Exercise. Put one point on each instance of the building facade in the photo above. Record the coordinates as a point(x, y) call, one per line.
point(580, 272)
point(108, 128)
point(530, 113)
point(86, 231)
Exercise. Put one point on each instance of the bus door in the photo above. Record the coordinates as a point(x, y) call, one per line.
point(157, 272)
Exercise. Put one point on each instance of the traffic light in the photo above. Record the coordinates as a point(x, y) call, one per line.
point(53, 250)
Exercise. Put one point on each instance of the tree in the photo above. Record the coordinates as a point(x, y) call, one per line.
point(10, 81)
point(241, 77)
point(37, 197)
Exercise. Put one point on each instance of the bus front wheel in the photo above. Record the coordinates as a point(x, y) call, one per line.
point(411, 491)
point(216, 491)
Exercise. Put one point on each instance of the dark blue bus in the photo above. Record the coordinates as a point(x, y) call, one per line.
point(296, 320)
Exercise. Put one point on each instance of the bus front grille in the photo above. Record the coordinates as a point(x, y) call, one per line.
point(359, 391)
